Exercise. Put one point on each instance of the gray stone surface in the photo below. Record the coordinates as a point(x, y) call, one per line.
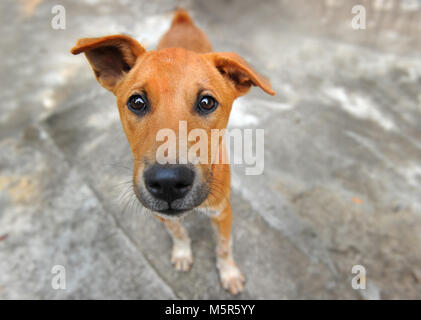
point(341, 185)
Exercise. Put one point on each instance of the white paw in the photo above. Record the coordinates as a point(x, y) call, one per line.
point(231, 277)
point(182, 257)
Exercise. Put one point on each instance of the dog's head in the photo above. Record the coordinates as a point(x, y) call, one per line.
point(169, 101)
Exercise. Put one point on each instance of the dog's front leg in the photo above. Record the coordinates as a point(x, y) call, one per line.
point(181, 256)
point(231, 277)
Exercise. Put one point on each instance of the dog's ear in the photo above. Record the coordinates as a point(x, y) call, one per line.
point(239, 72)
point(110, 57)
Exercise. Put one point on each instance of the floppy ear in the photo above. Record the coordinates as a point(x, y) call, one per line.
point(239, 72)
point(110, 57)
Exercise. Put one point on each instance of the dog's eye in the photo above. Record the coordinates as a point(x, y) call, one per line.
point(138, 104)
point(206, 104)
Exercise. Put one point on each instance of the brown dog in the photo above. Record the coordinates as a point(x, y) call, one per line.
point(180, 81)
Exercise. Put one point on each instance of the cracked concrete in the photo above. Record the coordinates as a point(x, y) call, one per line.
point(341, 185)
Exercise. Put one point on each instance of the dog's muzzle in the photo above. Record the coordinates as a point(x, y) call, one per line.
point(171, 189)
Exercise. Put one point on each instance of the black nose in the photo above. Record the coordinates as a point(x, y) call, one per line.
point(169, 182)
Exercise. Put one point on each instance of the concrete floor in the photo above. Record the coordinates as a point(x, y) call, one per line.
point(342, 178)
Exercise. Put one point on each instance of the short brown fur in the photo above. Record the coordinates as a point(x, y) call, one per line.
point(183, 57)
